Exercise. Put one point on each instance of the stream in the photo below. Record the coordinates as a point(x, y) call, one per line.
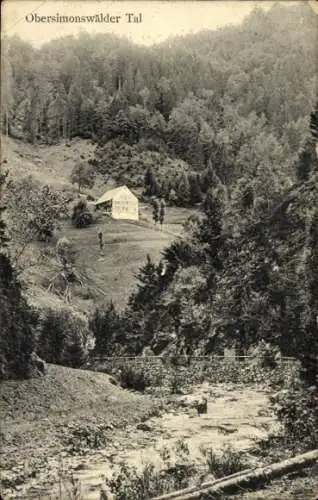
point(237, 418)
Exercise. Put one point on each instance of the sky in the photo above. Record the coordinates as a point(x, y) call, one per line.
point(160, 19)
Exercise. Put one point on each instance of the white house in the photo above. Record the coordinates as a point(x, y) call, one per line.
point(120, 203)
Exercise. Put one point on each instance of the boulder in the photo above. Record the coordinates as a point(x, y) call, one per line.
point(142, 426)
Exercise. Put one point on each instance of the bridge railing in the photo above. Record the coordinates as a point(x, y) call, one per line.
point(184, 358)
point(215, 368)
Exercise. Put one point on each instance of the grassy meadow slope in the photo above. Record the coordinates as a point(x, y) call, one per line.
point(48, 164)
point(111, 276)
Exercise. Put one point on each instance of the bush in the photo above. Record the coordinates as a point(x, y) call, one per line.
point(181, 469)
point(176, 382)
point(266, 355)
point(65, 252)
point(297, 411)
point(224, 464)
point(82, 437)
point(129, 483)
point(34, 210)
point(81, 216)
point(133, 378)
point(63, 338)
point(86, 293)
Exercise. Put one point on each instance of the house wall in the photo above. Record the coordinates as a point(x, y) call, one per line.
point(125, 206)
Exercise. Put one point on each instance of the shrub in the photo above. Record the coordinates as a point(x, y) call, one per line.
point(82, 437)
point(176, 473)
point(266, 355)
point(86, 293)
point(225, 463)
point(35, 210)
point(297, 411)
point(133, 378)
point(81, 216)
point(129, 483)
point(63, 338)
point(176, 382)
point(180, 469)
point(65, 252)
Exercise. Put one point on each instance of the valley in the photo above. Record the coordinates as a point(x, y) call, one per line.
point(159, 257)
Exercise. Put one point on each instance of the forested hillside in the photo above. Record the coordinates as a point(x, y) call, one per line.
point(235, 100)
point(219, 120)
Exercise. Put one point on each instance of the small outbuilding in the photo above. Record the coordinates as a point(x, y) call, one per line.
point(120, 203)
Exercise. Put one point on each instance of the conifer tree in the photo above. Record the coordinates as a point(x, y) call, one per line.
point(210, 228)
point(53, 332)
point(105, 326)
point(195, 189)
point(149, 181)
point(304, 162)
point(183, 190)
point(147, 287)
point(155, 211)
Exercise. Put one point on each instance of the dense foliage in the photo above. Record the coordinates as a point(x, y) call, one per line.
point(246, 272)
point(235, 99)
point(296, 408)
point(17, 322)
point(17, 319)
point(177, 472)
point(63, 338)
point(34, 213)
point(81, 216)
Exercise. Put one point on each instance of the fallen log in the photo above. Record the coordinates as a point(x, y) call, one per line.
point(248, 480)
point(176, 494)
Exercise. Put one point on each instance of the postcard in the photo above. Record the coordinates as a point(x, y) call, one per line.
point(159, 250)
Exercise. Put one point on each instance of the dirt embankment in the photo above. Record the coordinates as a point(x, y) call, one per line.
point(39, 414)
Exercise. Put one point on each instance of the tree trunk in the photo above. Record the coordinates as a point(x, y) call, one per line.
point(246, 479)
point(176, 494)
